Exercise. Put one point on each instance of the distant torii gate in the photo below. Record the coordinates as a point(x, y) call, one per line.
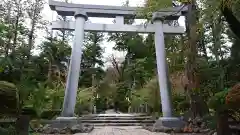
point(82, 12)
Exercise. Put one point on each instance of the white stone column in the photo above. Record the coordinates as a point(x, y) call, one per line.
point(74, 67)
point(162, 68)
point(168, 120)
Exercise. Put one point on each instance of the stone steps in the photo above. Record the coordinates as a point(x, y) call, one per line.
point(108, 118)
point(107, 121)
point(117, 121)
point(114, 124)
point(119, 118)
point(116, 115)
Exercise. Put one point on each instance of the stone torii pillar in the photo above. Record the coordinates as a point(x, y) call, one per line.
point(74, 67)
point(165, 93)
point(162, 67)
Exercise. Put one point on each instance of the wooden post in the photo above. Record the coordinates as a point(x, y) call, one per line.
point(22, 125)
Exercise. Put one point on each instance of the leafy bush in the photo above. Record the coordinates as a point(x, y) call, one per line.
point(139, 97)
point(180, 103)
point(211, 121)
point(84, 100)
point(106, 95)
point(49, 114)
point(45, 102)
point(120, 100)
point(8, 98)
point(233, 97)
point(217, 102)
point(8, 131)
point(38, 99)
point(149, 95)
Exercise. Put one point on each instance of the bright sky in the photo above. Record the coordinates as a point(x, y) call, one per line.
point(50, 15)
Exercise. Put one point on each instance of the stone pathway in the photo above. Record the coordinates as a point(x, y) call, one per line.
point(121, 131)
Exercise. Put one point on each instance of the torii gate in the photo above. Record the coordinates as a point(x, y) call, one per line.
point(82, 12)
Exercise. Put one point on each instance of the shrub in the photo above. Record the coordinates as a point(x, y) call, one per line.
point(217, 102)
point(8, 98)
point(233, 97)
point(180, 103)
point(84, 100)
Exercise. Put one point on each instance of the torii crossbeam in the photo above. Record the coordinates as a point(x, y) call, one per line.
point(118, 27)
point(82, 12)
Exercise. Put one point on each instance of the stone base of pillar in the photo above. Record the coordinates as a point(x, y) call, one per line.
point(66, 118)
point(64, 122)
point(65, 125)
point(169, 122)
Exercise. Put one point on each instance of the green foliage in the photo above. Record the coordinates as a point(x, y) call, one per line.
point(180, 103)
point(85, 95)
point(50, 114)
point(101, 104)
point(8, 131)
point(211, 121)
point(56, 95)
point(25, 87)
point(38, 99)
point(149, 95)
point(9, 98)
point(42, 99)
point(217, 102)
point(85, 100)
point(105, 95)
point(92, 62)
point(139, 97)
point(3, 35)
point(153, 6)
point(122, 93)
point(56, 52)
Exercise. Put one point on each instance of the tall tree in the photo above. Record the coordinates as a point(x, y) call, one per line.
point(19, 8)
point(91, 65)
point(197, 104)
point(57, 54)
point(34, 13)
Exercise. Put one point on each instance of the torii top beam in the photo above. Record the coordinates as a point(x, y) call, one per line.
point(69, 9)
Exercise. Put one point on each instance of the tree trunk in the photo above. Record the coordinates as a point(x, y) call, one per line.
point(191, 66)
point(8, 20)
point(8, 45)
point(30, 39)
point(202, 45)
point(216, 37)
point(216, 32)
point(33, 25)
point(49, 78)
point(222, 123)
point(15, 35)
point(22, 125)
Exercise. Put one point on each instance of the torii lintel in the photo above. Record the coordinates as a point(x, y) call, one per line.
point(69, 9)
